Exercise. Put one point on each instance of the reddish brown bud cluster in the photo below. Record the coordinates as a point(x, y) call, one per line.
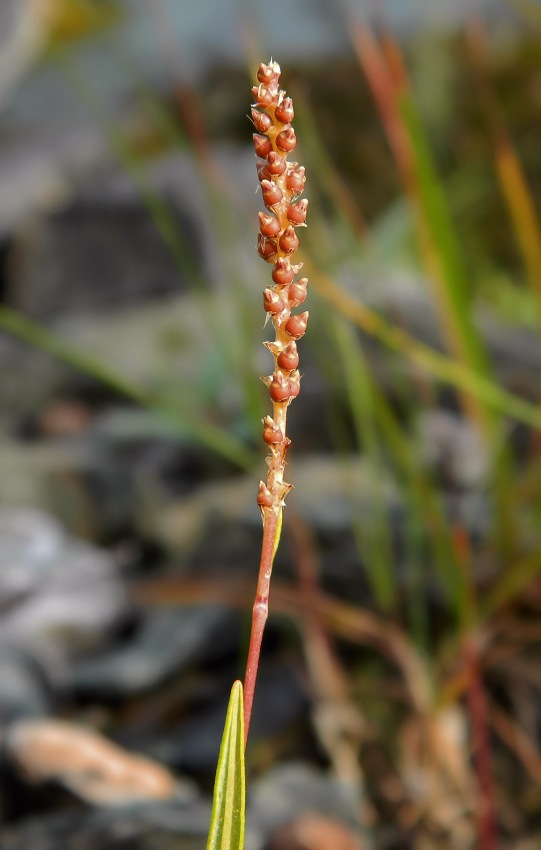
point(281, 184)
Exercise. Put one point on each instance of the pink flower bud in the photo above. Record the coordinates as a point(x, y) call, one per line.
point(296, 213)
point(266, 248)
point(284, 112)
point(288, 359)
point(296, 180)
point(289, 241)
point(297, 292)
point(268, 225)
point(264, 496)
point(271, 193)
point(286, 140)
point(262, 145)
point(272, 302)
point(276, 164)
point(262, 121)
point(282, 273)
point(271, 432)
point(296, 325)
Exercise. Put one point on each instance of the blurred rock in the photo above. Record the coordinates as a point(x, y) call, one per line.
point(54, 589)
point(165, 643)
point(313, 832)
point(280, 705)
point(81, 481)
point(30, 682)
point(291, 798)
point(22, 35)
point(103, 249)
point(514, 351)
point(328, 492)
point(144, 827)
point(452, 447)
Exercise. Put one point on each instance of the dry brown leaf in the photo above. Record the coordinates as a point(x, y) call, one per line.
point(86, 763)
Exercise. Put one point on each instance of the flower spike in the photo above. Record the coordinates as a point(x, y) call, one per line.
point(281, 184)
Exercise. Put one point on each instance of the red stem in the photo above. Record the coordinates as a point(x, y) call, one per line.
point(259, 613)
point(477, 703)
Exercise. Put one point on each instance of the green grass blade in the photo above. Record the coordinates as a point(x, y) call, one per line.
point(453, 290)
point(228, 808)
point(446, 369)
point(377, 543)
point(213, 437)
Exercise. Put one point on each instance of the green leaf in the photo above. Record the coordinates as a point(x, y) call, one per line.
point(228, 807)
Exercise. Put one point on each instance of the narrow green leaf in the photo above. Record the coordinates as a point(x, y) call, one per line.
point(228, 807)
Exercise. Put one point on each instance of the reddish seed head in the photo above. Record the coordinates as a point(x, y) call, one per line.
point(296, 325)
point(271, 432)
point(264, 496)
point(296, 180)
point(268, 73)
point(262, 121)
point(289, 241)
point(284, 112)
point(268, 225)
point(272, 195)
point(297, 292)
point(286, 140)
point(262, 145)
point(279, 389)
point(262, 171)
point(263, 96)
point(294, 384)
point(296, 213)
point(272, 302)
point(288, 359)
point(276, 164)
point(282, 273)
point(266, 248)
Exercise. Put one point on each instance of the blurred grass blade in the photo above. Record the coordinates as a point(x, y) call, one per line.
point(511, 177)
point(330, 181)
point(514, 581)
point(228, 807)
point(387, 78)
point(375, 542)
point(453, 279)
point(444, 368)
point(215, 438)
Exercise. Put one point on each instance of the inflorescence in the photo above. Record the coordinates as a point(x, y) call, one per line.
point(281, 184)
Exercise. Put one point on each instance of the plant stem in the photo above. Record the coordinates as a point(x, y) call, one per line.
point(260, 612)
point(477, 705)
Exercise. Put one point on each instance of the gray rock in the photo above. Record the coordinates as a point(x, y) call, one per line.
point(450, 444)
point(328, 492)
point(79, 480)
point(54, 589)
point(28, 683)
point(172, 827)
point(294, 788)
point(281, 704)
point(103, 250)
point(515, 351)
point(166, 643)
